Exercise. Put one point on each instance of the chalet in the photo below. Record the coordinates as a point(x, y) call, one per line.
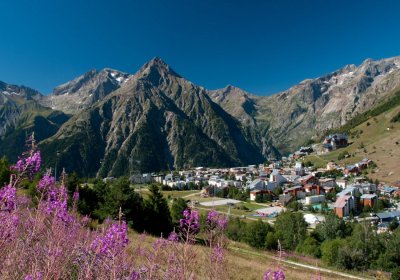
point(331, 166)
point(327, 182)
point(344, 205)
point(351, 170)
point(308, 179)
point(296, 192)
point(336, 141)
point(254, 193)
point(307, 150)
point(313, 189)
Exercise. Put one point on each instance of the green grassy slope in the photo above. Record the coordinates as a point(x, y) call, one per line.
point(376, 137)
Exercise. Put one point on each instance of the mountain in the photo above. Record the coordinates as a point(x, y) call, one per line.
point(236, 102)
point(20, 115)
point(108, 122)
point(156, 120)
point(85, 90)
point(307, 110)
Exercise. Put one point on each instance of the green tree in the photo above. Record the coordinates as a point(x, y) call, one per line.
point(271, 242)
point(4, 171)
point(389, 260)
point(158, 214)
point(310, 247)
point(330, 250)
point(291, 229)
point(236, 229)
point(177, 208)
point(332, 228)
point(256, 233)
point(295, 206)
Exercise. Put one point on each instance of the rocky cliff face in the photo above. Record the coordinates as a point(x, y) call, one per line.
point(84, 91)
point(157, 120)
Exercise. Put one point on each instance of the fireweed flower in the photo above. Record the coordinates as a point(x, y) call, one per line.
point(8, 226)
point(112, 242)
point(8, 198)
point(216, 220)
point(173, 236)
point(46, 183)
point(75, 196)
point(217, 255)
point(36, 276)
point(30, 164)
point(190, 224)
point(274, 275)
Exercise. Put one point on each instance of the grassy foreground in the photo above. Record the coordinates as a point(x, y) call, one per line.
point(246, 263)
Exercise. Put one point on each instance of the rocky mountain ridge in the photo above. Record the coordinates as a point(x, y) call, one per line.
point(158, 120)
point(311, 107)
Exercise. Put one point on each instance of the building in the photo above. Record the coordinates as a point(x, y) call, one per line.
point(299, 169)
point(254, 193)
point(344, 205)
point(275, 176)
point(388, 216)
point(335, 141)
point(296, 192)
point(342, 183)
point(368, 200)
point(315, 199)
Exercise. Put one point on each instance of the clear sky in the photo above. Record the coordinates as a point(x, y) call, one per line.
point(261, 46)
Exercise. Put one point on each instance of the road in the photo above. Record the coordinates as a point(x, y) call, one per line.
point(192, 194)
point(292, 263)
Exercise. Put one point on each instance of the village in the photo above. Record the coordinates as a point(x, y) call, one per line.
point(263, 191)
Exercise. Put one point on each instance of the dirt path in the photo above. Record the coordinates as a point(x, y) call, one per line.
point(292, 263)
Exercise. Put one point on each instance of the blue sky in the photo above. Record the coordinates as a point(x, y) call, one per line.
point(261, 46)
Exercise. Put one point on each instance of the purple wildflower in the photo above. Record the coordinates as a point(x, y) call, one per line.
point(216, 220)
point(8, 198)
point(217, 255)
point(190, 223)
point(173, 236)
point(75, 196)
point(113, 242)
point(160, 243)
point(46, 183)
point(134, 275)
point(274, 275)
point(36, 276)
point(31, 164)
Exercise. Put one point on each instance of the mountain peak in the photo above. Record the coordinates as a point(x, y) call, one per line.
point(156, 69)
